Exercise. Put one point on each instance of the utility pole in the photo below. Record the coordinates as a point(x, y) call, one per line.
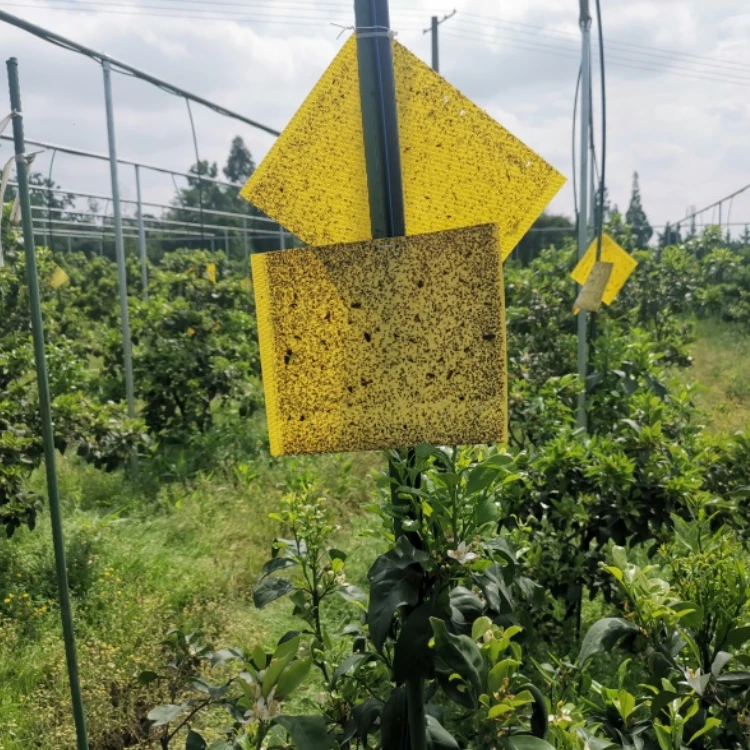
point(434, 30)
point(585, 23)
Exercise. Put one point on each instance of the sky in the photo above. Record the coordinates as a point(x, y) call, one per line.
point(677, 77)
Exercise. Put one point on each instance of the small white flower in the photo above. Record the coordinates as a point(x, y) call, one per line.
point(462, 554)
point(488, 636)
point(341, 579)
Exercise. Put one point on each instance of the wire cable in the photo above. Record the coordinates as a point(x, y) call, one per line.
point(197, 162)
point(575, 161)
point(602, 182)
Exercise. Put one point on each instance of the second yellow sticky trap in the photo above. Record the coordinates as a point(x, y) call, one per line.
point(384, 344)
point(623, 265)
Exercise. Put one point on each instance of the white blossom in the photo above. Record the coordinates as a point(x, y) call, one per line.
point(462, 554)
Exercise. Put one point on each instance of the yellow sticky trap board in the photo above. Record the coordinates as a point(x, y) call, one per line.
point(460, 168)
point(383, 344)
point(590, 296)
point(211, 272)
point(623, 266)
point(59, 278)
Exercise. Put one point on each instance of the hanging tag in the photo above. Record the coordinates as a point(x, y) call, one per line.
point(592, 292)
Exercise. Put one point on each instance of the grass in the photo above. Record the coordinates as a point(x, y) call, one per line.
point(721, 373)
point(141, 563)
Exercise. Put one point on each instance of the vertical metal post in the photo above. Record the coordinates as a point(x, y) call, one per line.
point(582, 221)
point(226, 242)
point(245, 245)
point(119, 245)
point(141, 235)
point(377, 89)
point(213, 244)
point(37, 327)
point(70, 245)
point(435, 51)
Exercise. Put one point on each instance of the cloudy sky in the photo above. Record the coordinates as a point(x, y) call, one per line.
point(677, 81)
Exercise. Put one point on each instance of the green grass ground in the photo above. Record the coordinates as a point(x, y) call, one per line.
point(721, 374)
point(185, 557)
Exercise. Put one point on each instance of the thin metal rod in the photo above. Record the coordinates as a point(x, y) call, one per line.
point(435, 50)
point(69, 44)
point(119, 245)
point(245, 244)
point(45, 411)
point(282, 238)
point(141, 235)
point(79, 194)
point(127, 162)
point(63, 222)
point(582, 222)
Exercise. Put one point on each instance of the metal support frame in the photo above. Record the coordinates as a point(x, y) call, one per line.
point(122, 280)
point(141, 235)
point(583, 235)
point(40, 360)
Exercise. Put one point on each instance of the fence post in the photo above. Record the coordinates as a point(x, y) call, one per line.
point(583, 207)
point(377, 89)
point(40, 360)
point(141, 234)
point(119, 247)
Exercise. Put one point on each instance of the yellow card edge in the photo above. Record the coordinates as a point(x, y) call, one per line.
point(267, 356)
point(504, 433)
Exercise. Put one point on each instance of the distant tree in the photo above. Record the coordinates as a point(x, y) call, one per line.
point(240, 164)
point(670, 236)
point(745, 239)
point(547, 230)
point(636, 216)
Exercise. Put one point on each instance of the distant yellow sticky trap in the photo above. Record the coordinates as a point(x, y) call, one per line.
point(59, 278)
point(623, 266)
point(460, 168)
point(211, 272)
point(384, 344)
point(590, 296)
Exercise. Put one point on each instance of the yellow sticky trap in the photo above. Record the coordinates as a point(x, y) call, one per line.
point(211, 272)
point(623, 266)
point(385, 343)
point(590, 296)
point(59, 278)
point(460, 167)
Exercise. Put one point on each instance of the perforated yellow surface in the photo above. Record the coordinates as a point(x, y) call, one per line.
point(623, 266)
point(383, 344)
point(460, 167)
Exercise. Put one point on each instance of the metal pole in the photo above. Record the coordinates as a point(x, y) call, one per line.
point(585, 22)
point(37, 326)
point(282, 238)
point(245, 244)
point(377, 89)
point(70, 246)
point(435, 51)
point(226, 243)
point(141, 234)
point(119, 246)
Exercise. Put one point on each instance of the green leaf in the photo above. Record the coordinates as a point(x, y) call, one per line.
point(269, 590)
point(526, 742)
point(307, 732)
point(480, 627)
point(413, 657)
point(738, 637)
point(603, 635)
point(539, 713)
point(465, 606)
point(194, 741)
point(259, 657)
point(487, 511)
point(275, 668)
point(625, 704)
point(720, 661)
point(351, 593)
point(458, 654)
point(393, 720)
point(710, 724)
point(274, 566)
point(734, 679)
point(162, 715)
point(292, 677)
point(337, 554)
point(439, 738)
point(663, 736)
point(394, 582)
point(502, 671)
point(351, 661)
point(285, 647)
point(147, 677)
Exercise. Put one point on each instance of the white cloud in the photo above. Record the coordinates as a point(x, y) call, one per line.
point(686, 137)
